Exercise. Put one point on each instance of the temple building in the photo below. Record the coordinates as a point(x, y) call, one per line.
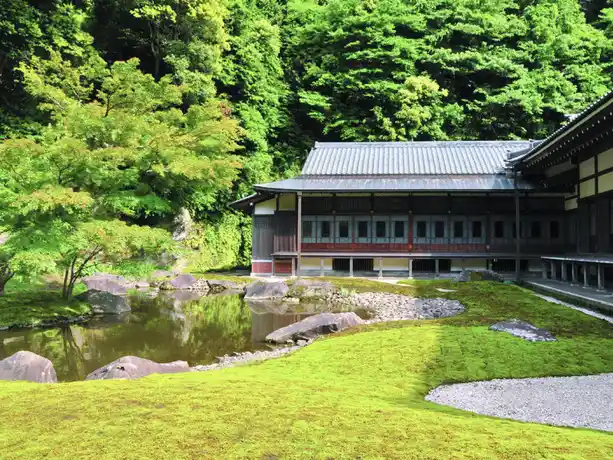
point(578, 158)
point(405, 208)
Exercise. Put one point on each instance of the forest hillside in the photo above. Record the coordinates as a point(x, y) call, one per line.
point(117, 116)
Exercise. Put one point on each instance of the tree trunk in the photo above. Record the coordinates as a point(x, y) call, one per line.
point(65, 285)
point(5, 277)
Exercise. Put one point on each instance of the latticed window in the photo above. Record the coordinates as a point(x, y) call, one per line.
point(307, 229)
point(458, 229)
point(439, 229)
point(325, 229)
point(398, 229)
point(363, 229)
point(421, 229)
point(499, 229)
point(477, 229)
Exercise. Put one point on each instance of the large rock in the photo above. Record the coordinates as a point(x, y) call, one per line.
point(161, 274)
point(311, 288)
point(313, 326)
point(183, 225)
point(266, 291)
point(114, 284)
point(132, 367)
point(478, 275)
point(217, 286)
point(185, 282)
point(523, 330)
point(105, 303)
point(25, 365)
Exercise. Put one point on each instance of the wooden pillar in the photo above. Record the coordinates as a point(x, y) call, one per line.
point(586, 282)
point(351, 267)
point(321, 267)
point(574, 273)
point(293, 267)
point(600, 269)
point(517, 232)
point(299, 234)
point(563, 271)
point(380, 267)
point(488, 227)
point(437, 269)
point(273, 267)
point(544, 269)
point(554, 275)
point(410, 268)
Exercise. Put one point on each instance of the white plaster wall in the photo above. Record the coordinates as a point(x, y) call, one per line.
point(312, 263)
point(459, 264)
point(392, 264)
point(605, 160)
point(586, 168)
point(287, 202)
point(587, 188)
point(605, 182)
point(265, 207)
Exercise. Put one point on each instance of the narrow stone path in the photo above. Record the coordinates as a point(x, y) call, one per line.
point(587, 311)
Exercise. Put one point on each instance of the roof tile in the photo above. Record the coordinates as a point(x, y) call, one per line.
point(410, 158)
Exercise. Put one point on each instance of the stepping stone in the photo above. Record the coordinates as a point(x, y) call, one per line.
point(523, 330)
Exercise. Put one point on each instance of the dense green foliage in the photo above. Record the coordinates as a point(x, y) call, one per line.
point(359, 394)
point(138, 110)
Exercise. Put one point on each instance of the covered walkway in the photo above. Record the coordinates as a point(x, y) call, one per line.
point(587, 270)
point(590, 296)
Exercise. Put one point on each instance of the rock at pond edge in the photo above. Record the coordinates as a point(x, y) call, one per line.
point(133, 367)
point(28, 366)
point(261, 291)
point(105, 303)
point(313, 326)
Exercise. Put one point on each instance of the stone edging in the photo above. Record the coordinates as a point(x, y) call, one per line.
point(385, 307)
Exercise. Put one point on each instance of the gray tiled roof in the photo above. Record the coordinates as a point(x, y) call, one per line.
point(410, 158)
point(407, 183)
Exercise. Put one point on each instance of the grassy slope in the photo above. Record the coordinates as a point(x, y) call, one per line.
point(359, 394)
point(27, 304)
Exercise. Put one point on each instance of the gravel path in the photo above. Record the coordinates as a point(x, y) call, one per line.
point(584, 402)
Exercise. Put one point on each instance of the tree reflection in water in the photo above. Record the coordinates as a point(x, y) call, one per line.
point(179, 326)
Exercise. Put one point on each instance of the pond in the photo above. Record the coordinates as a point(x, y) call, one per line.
point(183, 326)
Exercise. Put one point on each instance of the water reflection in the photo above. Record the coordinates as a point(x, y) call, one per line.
point(166, 328)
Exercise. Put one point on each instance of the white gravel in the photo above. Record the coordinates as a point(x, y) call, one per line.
point(584, 402)
point(236, 359)
point(393, 307)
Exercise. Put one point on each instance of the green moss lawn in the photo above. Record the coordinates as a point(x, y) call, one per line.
point(355, 395)
point(33, 304)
